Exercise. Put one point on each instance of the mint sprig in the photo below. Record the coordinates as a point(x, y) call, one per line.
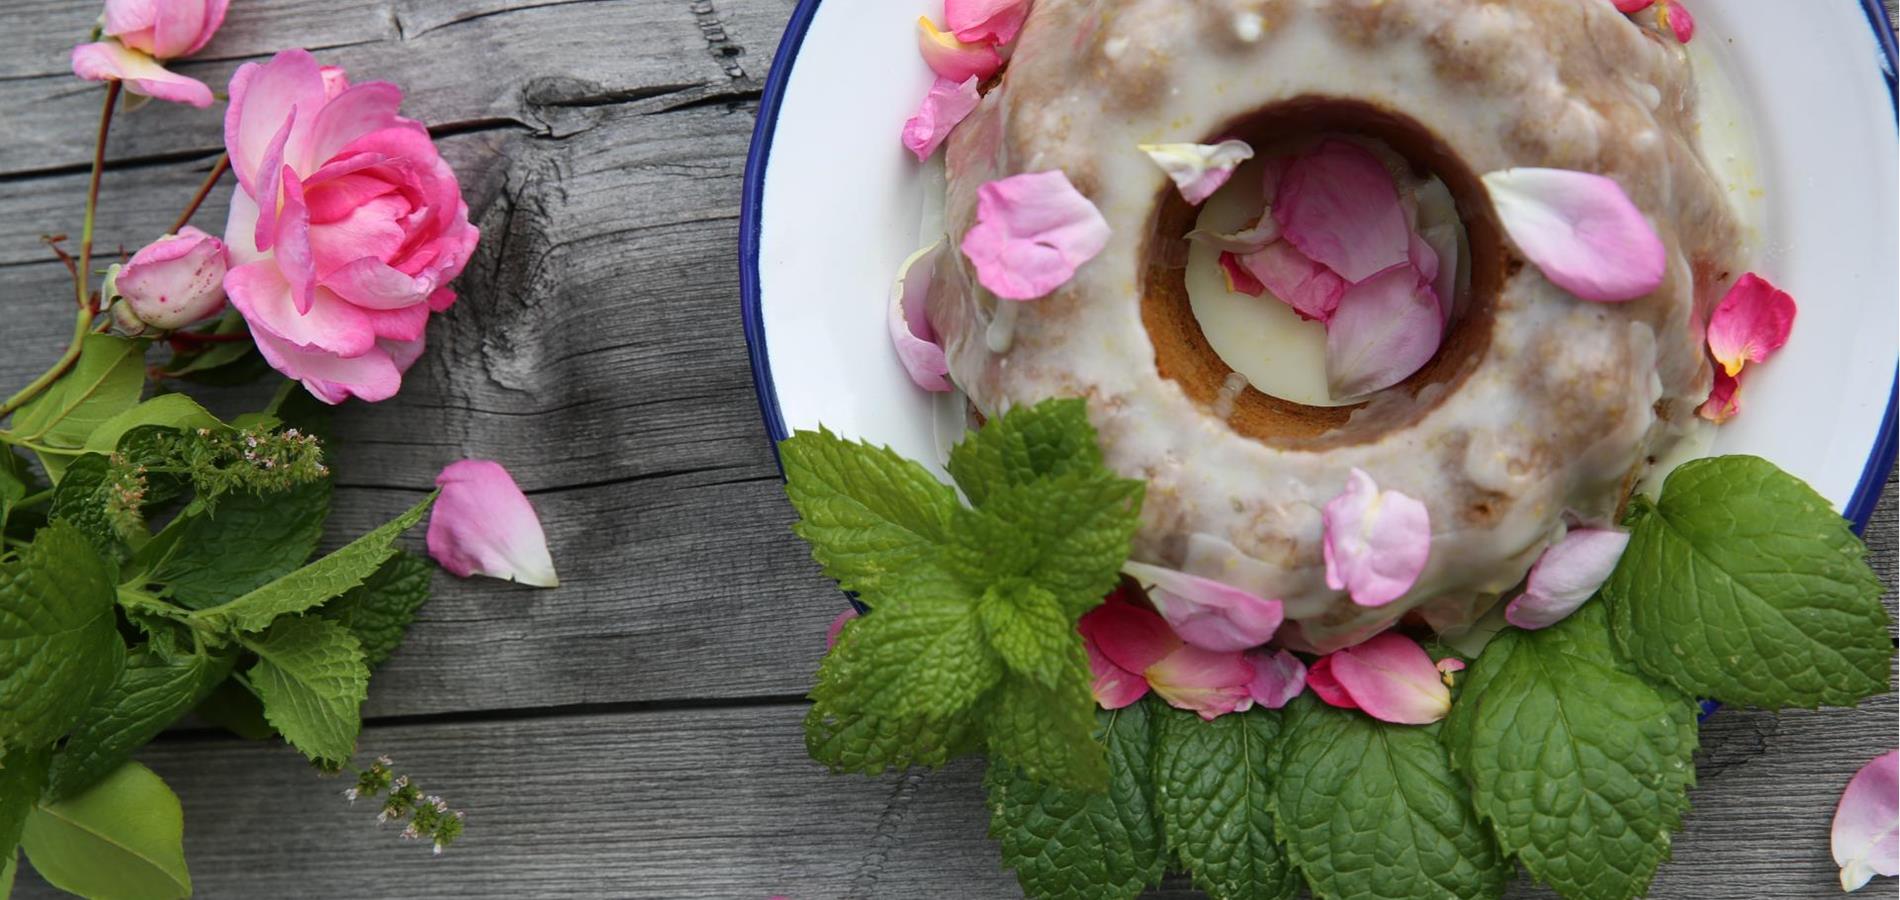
point(1216, 799)
point(971, 640)
point(1743, 584)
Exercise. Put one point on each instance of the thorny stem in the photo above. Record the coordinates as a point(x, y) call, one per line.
point(204, 190)
point(52, 242)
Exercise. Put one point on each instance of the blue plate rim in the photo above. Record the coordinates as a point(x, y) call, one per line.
point(1860, 506)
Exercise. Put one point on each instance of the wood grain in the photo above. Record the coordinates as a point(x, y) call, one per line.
point(634, 734)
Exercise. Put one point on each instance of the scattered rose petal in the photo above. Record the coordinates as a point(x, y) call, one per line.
point(1392, 679)
point(1338, 205)
point(1725, 398)
point(1376, 542)
point(1867, 823)
point(113, 61)
point(1127, 635)
point(947, 104)
point(1752, 321)
point(1630, 6)
point(1113, 686)
point(483, 525)
point(1251, 239)
point(1132, 650)
point(911, 335)
point(1278, 677)
point(953, 59)
point(1313, 290)
point(1198, 170)
point(1581, 230)
point(1568, 574)
point(1385, 328)
point(1325, 686)
point(1443, 241)
point(1032, 232)
point(1675, 17)
point(992, 21)
point(1206, 613)
point(1423, 257)
point(1447, 667)
point(1239, 279)
point(1208, 683)
point(837, 627)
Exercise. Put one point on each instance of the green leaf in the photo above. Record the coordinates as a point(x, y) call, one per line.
point(12, 489)
point(122, 839)
point(1744, 585)
point(1217, 805)
point(22, 775)
point(83, 498)
point(241, 544)
point(1075, 845)
point(847, 730)
point(1023, 445)
point(315, 583)
point(1029, 629)
point(1369, 809)
point(104, 382)
point(1045, 731)
point(311, 676)
point(379, 610)
point(168, 410)
point(1580, 765)
point(146, 698)
point(59, 644)
point(870, 515)
point(1069, 533)
point(933, 654)
point(233, 708)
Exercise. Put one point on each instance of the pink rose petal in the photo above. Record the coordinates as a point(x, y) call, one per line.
point(1442, 241)
point(1392, 679)
point(1113, 686)
point(1725, 398)
point(1032, 232)
point(1198, 170)
point(1206, 613)
point(911, 335)
point(953, 59)
point(1313, 290)
point(141, 74)
point(1278, 677)
point(980, 21)
point(1753, 320)
point(1208, 683)
point(1325, 686)
point(1568, 574)
point(1251, 239)
point(1239, 279)
point(1376, 543)
point(483, 525)
point(1128, 636)
point(1448, 666)
point(1385, 328)
point(1630, 6)
point(1866, 836)
point(837, 627)
point(947, 104)
point(1581, 231)
point(1338, 205)
point(1675, 17)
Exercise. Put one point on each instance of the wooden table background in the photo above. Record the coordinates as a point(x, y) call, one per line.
point(635, 733)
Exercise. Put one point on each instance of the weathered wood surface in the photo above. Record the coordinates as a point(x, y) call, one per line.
point(636, 732)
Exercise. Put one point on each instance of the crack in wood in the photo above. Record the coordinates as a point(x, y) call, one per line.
point(884, 839)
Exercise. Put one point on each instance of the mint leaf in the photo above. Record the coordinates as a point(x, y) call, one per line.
point(1217, 804)
point(123, 837)
point(22, 773)
point(1370, 809)
point(934, 654)
point(12, 488)
point(870, 515)
point(1580, 765)
point(59, 644)
point(1069, 533)
point(848, 730)
point(312, 679)
point(313, 584)
point(104, 382)
point(1744, 585)
point(1029, 629)
point(247, 540)
point(85, 498)
point(235, 709)
point(147, 697)
point(379, 610)
point(1023, 445)
point(1076, 845)
point(1046, 731)
point(168, 410)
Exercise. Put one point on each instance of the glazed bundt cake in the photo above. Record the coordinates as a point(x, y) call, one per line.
point(1539, 409)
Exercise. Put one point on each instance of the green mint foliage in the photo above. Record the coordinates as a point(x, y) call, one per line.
point(1744, 585)
point(311, 676)
point(22, 772)
point(103, 501)
point(1076, 845)
point(88, 845)
point(379, 610)
point(149, 695)
point(313, 584)
point(59, 643)
point(1581, 766)
point(243, 543)
point(235, 709)
point(169, 411)
point(105, 381)
point(1216, 802)
point(972, 641)
point(1370, 809)
point(12, 486)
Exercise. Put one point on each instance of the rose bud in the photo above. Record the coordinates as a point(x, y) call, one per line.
point(176, 280)
point(164, 29)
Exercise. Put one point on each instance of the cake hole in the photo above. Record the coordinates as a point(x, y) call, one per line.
point(1295, 410)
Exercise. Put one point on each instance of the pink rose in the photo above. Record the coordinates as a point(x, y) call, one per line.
point(345, 228)
point(176, 280)
point(142, 32)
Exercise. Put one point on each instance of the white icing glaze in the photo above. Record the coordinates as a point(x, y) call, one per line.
point(1557, 414)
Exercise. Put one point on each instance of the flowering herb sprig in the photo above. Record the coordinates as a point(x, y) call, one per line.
point(429, 816)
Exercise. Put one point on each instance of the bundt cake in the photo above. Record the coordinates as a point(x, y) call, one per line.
point(1538, 410)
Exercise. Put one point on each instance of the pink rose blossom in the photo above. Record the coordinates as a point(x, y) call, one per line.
point(345, 228)
point(176, 280)
point(141, 32)
point(483, 525)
